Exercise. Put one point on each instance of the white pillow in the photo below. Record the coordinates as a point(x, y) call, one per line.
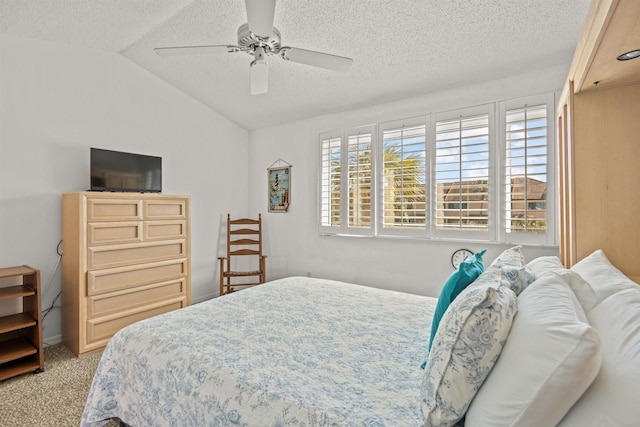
point(613, 398)
point(583, 290)
point(544, 264)
point(550, 358)
point(602, 275)
point(467, 343)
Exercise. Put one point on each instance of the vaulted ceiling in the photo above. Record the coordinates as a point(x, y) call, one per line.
point(400, 48)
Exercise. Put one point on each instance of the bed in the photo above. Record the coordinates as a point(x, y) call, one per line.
point(519, 344)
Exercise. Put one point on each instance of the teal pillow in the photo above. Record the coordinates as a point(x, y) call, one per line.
point(467, 272)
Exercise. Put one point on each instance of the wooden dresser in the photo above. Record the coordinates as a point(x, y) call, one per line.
point(599, 143)
point(126, 257)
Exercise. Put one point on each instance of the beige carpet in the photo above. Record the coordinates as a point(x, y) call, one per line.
point(52, 398)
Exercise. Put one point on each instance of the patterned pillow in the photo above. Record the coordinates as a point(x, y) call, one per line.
point(467, 272)
point(511, 256)
point(518, 277)
point(467, 344)
point(511, 261)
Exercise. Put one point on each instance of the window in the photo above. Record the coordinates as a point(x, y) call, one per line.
point(478, 173)
point(346, 199)
point(462, 161)
point(404, 176)
point(330, 181)
point(360, 179)
point(526, 176)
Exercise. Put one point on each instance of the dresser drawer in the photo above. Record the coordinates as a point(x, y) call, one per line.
point(103, 328)
point(165, 209)
point(115, 302)
point(114, 279)
point(113, 209)
point(108, 233)
point(163, 230)
point(120, 255)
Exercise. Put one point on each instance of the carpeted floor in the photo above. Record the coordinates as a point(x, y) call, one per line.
point(53, 398)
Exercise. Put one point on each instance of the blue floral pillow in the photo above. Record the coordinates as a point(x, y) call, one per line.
point(467, 272)
point(511, 256)
point(511, 261)
point(468, 343)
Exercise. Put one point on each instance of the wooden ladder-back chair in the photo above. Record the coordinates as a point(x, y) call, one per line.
point(244, 239)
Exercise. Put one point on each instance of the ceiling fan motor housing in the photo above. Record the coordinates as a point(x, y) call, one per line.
point(250, 41)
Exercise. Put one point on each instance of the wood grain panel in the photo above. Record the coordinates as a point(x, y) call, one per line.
point(136, 297)
point(103, 328)
point(114, 279)
point(165, 209)
point(113, 209)
point(163, 230)
point(104, 233)
point(120, 255)
point(607, 175)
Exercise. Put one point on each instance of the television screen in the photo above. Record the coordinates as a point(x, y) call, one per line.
point(118, 171)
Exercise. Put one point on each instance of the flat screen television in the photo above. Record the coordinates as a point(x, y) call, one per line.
point(119, 171)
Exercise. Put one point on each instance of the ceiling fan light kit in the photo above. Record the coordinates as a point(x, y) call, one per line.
point(259, 73)
point(259, 38)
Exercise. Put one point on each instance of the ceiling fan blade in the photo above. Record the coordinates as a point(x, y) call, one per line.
point(260, 14)
point(316, 59)
point(259, 77)
point(194, 50)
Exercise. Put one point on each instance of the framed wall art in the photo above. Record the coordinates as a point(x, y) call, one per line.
point(279, 181)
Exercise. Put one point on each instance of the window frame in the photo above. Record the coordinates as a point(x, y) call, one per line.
point(468, 112)
point(497, 135)
point(400, 232)
point(322, 227)
point(550, 237)
point(344, 228)
point(359, 231)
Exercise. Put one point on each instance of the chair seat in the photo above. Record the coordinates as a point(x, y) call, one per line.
point(242, 273)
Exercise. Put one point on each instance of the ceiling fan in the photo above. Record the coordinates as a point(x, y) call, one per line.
point(259, 38)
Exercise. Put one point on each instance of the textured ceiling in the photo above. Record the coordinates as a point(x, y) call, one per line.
point(401, 48)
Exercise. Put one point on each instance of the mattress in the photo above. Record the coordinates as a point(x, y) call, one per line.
point(293, 352)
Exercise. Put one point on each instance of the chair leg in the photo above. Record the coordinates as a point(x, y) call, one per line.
point(221, 276)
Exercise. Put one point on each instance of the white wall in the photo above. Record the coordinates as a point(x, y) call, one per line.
point(293, 244)
point(56, 101)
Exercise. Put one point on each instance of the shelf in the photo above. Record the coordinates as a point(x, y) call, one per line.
point(21, 333)
point(20, 366)
point(14, 322)
point(22, 270)
point(16, 349)
point(16, 292)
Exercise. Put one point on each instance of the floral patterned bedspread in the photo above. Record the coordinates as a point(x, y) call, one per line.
point(292, 352)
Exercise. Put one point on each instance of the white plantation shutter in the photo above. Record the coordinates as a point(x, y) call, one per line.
point(462, 173)
point(527, 188)
point(330, 181)
point(481, 173)
point(360, 178)
point(404, 176)
point(346, 181)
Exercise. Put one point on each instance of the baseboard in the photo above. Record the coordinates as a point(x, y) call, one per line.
point(203, 298)
point(56, 339)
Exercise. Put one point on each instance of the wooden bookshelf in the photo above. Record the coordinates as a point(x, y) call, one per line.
point(21, 333)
